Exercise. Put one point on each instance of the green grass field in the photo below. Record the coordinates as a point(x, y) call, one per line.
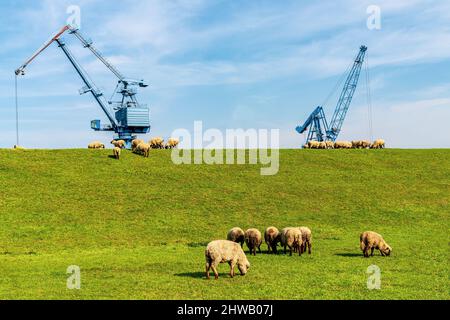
point(138, 227)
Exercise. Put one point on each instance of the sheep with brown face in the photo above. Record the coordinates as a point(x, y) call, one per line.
point(272, 237)
point(172, 143)
point(222, 251)
point(370, 240)
point(292, 238)
point(157, 143)
point(306, 239)
point(236, 235)
point(378, 144)
point(253, 240)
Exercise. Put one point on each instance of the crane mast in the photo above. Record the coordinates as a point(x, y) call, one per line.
point(319, 130)
point(130, 117)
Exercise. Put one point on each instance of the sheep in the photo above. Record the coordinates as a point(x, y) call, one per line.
point(360, 144)
point(272, 236)
point(157, 143)
point(253, 240)
point(306, 239)
point(342, 145)
point(143, 149)
point(221, 251)
point(116, 152)
point(119, 143)
point(330, 144)
point(370, 240)
point(236, 235)
point(322, 145)
point(313, 145)
point(292, 238)
point(16, 147)
point(172, 143)
point(96, 145)
point(305, 146)
point(378, 144)
point(135, 143)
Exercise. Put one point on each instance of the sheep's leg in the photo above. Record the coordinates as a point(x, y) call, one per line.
point(259, 249)
point(274, 249)
point(366, 252)
point(232, 266)
point(371, 253)
point(208, 266)
point(309, 247)
point(284, 249)
point(290, 251)
point(214, 267)
point(268, 248)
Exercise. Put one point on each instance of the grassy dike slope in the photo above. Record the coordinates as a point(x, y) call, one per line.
point(138, 227)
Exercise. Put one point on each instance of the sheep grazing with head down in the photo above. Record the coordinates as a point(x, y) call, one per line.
point(330, 144)
point(236, 235)
point(272, 237)
point(157, 143)
point(370, 240)
point(378, 144)
point(172, 143)
point(96, 145)
point(253, 240)
point(313, 145)
point(135, 143)
point(221, 251)
point(292, 238)
point(116, 152)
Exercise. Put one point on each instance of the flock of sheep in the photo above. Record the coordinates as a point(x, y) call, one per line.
point(297, 239)
point(359, 144)
point(138, 146)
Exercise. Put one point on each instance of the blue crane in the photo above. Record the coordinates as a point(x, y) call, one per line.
point(319, 129)
point(130, 117)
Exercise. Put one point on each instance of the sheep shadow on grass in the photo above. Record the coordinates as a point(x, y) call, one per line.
point(112, 157)
point(349, 255)
point(196, 275)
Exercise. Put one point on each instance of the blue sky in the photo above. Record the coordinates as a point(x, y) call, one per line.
point(231, 64)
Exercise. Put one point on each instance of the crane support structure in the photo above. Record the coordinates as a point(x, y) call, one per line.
point(319, 130)
point(129, 117)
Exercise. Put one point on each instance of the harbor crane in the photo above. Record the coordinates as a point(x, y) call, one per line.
point(126, 116)
point(319, 129)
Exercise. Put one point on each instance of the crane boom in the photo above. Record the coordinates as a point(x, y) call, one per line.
point(90, 86)
point(21, 69)
point(346, 96)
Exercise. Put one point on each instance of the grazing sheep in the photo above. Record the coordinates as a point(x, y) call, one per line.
point(306, 239)
point(253, 240)
point(313, 145)
point(135, 143)
point(330, 144)
point(272, 236)
point(143, 149)
point(360, 144)
point(119, 143)
point(378, 144)
point(342, 145)
point(16, 147)
point(116, 152)
point(221, 251)
point(157, 143)
point(172, 143)
point(370, 240)
point(292, 238)
point(236, 235)
point(96, 145)
point(322, 145)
